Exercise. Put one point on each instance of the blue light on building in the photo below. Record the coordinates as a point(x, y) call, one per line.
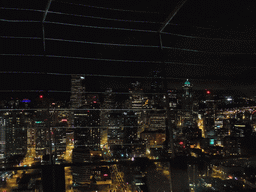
point(26, 101)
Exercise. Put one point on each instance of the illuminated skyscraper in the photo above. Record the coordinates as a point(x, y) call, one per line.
point(131, 127)
point(2, 137)
point(41, 137)
point(187, 104)
point(157, 89)
point(77, 98)
point(81, 174)
point(87, 122)
point(107, 104)
point(13, 130)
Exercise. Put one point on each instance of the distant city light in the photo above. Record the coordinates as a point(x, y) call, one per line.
point(38, 121)
point(105, 175)
point(181, 143)
point(208, 92)
point(41, 96)
point(64, 120)
point(26, 101)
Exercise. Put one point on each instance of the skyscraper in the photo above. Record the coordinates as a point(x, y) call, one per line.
point(157, 89)
point(2, 137)
point(130, 127)
point(42, 142)
point(187, 104)
point(81, 174)
point(77, 98)
point(87, 122)
point(14, 130)
point(107, 105)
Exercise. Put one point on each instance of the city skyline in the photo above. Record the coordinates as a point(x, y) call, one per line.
point(128, 96)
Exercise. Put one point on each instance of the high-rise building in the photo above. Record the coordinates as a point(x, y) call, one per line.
point(210, 111)
point(157, 89)
point(81, 174)
point(130, 127)
point(156, 120)
point(116, 130)
point(42, 141)
point(2, 137)
point(137, 98)
point(59, 137)
point(107, 105)
point(87, 123)
point(77, 98)
point(60, 123)
point(13, 130)
point(187, 104)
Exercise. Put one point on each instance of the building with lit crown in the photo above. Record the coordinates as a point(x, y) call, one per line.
point(187, 104)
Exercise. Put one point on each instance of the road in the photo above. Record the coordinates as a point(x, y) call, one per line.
point(68, 172)
point(117, 177)
point(11, 182)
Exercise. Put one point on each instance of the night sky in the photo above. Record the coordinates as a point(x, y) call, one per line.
point(210, 42)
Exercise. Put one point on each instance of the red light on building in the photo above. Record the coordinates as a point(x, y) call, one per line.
point(105, 175)
point(41, 96)
point(208, 92)
point(181, 143)
point(94, 101)
point(64, 120)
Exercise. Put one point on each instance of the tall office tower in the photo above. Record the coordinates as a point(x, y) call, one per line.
point(156, 120)
point(187, 104)
point(81, 174)
point(116, 130)
point(2, 137)
point(107, 105)
point(77, 98)
point(173, 103)
point(179, 174)
point(193, 173)
point(15, 130)
point(86, 139)
point(60, 124)
point(138, 102)
point(42, 141)
point(136, 97)
point(87, 122)
point(31, 140)
point(130, 127)
point(58, 137)
point(210, 111)
point(157, 89)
